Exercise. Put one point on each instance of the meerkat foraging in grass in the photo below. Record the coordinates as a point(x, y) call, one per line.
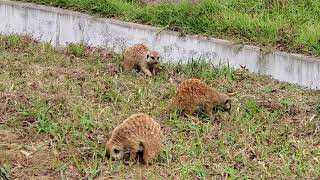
point(138, 133)
point(139, 56)
point(193, 93)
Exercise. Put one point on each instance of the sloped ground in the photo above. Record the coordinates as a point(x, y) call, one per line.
point(58, 107)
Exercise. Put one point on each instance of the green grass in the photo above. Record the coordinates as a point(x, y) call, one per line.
point(62, 104)
point(286, 25)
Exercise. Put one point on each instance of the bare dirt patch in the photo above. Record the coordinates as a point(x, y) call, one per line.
point(271, 105)
point(62, 73)
point(103, 53)
point(27, 158)
point(10, 102)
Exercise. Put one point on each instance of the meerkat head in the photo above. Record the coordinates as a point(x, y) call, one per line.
point(115, 150)
point(225, 102)
point(153, 56)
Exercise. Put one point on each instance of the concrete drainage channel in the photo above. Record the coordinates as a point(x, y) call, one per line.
point(63, 26)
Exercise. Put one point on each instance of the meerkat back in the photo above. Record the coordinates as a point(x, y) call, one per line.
point(188, 93)
point(148, 132)
point(192, 93)
point(134, 55)
point(137, 133)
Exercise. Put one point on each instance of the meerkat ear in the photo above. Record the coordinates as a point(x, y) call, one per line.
point(148, 54)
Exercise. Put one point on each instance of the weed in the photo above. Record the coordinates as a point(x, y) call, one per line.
point(200, 68)
point(86, 122)
point(12, 41)
point(4, 174)
point(77, 50)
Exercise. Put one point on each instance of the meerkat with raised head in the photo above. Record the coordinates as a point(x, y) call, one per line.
point(193, 93)
point(138, 133)
point(138, 56)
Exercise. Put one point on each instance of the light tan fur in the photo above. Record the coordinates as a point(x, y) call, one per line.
point(137, 133)
point(139, 56)
point(193, 93)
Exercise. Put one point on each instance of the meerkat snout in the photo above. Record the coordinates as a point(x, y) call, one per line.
point(225, 102)
point(116, 152)
point(227, 105)
point(153, 56)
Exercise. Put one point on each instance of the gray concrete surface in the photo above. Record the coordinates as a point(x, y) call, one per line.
point(60, 26)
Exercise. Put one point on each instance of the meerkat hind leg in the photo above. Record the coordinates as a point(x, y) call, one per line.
point(188, 112)
point(124, 67)
point(135, 148)
point(147, 157)
point(208, 109)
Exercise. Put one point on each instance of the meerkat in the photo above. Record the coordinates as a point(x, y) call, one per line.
point(138, 56)
point(192, 93)
point(138, 133)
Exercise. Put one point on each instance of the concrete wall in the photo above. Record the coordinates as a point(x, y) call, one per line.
point(62, 26)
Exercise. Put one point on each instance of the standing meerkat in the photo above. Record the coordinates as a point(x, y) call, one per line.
point(139, 56)
point(192, 93)
point(137, 133)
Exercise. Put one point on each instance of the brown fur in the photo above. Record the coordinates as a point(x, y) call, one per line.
point(139, 56)
point(137, 133)
point(193, 93)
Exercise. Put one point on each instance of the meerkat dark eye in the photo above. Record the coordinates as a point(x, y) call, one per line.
point(116, 151)
point(148, 56)
point(158, 58)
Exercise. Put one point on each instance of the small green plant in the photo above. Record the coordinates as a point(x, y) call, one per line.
point(44, 125)
point(77, 50)
point(231, 173)
point(318, 108)
point(4, 174)
point(12, 41)
point(200, 68)
point(86, 122)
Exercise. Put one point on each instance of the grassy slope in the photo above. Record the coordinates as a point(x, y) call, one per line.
point(59, 106)
point(271, 24)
